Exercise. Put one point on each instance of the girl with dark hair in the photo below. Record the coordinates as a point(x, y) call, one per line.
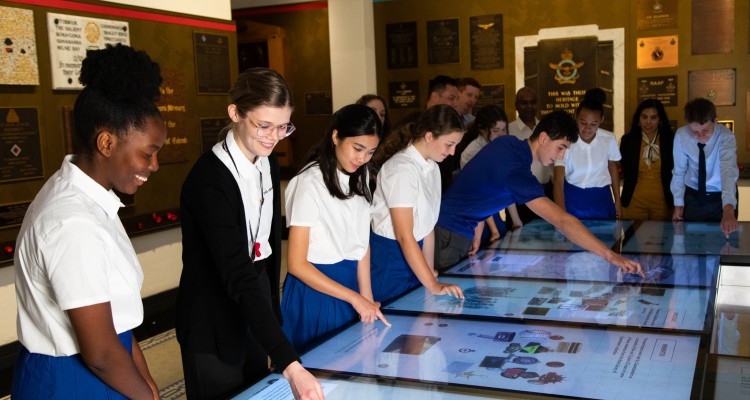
point(78, 279)
point(228, 317)
point(407, 203)
point(378, 104)
point(587, 183)
point(490, 123)
point(328, 212)
point(647, 163)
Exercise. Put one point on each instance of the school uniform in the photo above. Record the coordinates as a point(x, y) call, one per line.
point(588, 192)
point(496, 177)
point(406, 180)
point(228, 317)
point(72, 252)
point(338, 240)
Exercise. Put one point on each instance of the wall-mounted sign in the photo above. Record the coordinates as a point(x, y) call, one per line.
point(486, 38)
point(20, 144)
point(656, 14)
point(212, 63)
point(401, 45)
point(403, 94)
point(318, 103)
point(18, 65)
point(662, 88)
point(717, 85)
point(69, 38)
point(443, 41)
point(657, 52)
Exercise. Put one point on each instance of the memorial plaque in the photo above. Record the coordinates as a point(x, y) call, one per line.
point(567, 68)
point(173, 107)
point(401, 45)
point(717, 85)
point(212, 63)
point(20, 144)
point(18, 65)
point(443, 41)
point(657, 14)
point(662, 88)
point(11, 215)
point(210, 129)
point(404, 94)
point(486, 35)
point(657, 52)
point(490, 94)
point(318, 103)
point(713, 26)
point(69, 38)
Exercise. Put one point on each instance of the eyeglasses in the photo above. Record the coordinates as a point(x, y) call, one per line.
point(282, 130)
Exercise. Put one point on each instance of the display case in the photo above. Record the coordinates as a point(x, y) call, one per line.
point(544, 319)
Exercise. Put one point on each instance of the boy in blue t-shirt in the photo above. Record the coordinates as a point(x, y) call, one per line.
point(500, 175)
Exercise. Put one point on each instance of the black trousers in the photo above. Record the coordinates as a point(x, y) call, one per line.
point(712, 210)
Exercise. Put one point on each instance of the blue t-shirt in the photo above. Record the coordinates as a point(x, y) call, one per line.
point(498, 176)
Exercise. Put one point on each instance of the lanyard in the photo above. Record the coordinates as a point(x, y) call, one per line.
point(253, 235)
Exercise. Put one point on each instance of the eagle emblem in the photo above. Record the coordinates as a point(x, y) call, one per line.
point(566, 71)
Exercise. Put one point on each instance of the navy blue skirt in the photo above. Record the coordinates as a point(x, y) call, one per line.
point(39, 376)
point(591, 203)
point(390, 274)
point(310, 314)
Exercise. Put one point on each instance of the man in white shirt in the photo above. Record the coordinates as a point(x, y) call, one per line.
point(468, 94)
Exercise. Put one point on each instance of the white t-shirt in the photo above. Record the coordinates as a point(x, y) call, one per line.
point(339, 229)
point(472, 149)
point(249, 177)
point(72, 251)
point(407, 180)
point(586, 164)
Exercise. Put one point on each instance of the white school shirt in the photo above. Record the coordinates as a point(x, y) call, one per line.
point(472, 149)
point(248, 177)
point(72, 251)
point(407, 180)
point(520, 130)
point(586, 164)
point(339, 229)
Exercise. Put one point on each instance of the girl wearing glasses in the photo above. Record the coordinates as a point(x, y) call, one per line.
point(407, 203)
point(328, 211)
point(228, 319)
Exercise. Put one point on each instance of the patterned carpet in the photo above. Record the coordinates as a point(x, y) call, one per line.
point(162, 354)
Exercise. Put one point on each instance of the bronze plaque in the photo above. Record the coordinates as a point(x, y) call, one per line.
point(443, 41)
point(173, 107)
point(662, 88)
point(211, 63)
point(490, 94)
point(713, 26)
point(657, 52)
point(318, 103)
point(404, 94)
point(656, 14)
point(20, 144)
point(210, 129)
point(717, 85)
point(401, 44)
point(486, 35)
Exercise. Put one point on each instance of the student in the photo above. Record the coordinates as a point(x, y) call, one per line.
point(586, 179)
point(377, 103)
point(78, 279)
point(711, 194)
point(647, 164)
point(328, 212)
point(482, 189)
point(491, 123)
point(227, 309)
point(406, 204)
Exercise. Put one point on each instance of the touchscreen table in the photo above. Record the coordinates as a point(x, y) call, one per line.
point(541, 235)
point(688, 238)
point(622, 304)
point(542, 359)
point(662, 269)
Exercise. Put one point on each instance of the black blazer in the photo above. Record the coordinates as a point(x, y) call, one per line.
point(630, 149)
point(222, 294)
